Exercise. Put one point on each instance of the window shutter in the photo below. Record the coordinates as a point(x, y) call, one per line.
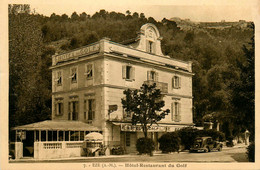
point(156, 76)
point(153, 48)
point(132, 74)
point(87, 109)
point(179, 112)
point(172, 111)
point(69, 109)
point(77, 110)
point(77, 107)
point(148, 75)
point(124, 72)
point(179, 82)
point(55, 108)
point(62, 108)
point(147, 46)
point(173, 82)
point(93, 108)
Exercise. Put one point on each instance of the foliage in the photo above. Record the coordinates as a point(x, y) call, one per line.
point(29, 88)
point(145, 105)
point(243, 96)
point(251, 152)
point(187, 136)
point(145, 145)
point(216, 135)
point(170, 142)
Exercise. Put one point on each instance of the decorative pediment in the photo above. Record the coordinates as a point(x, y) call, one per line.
point(149, 40)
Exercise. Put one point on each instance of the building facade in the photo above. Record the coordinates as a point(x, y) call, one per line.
point(88, 85)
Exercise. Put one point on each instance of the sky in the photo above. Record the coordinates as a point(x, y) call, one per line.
point(195, 10)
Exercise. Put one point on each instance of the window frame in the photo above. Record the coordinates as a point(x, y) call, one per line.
point(152, 75)
point(88, 72)
point(74, 75)
point(59, 107)
point(176, 82)
point(89, 113)
point(59, 78)
point(70, 109)
point(176, 111)
point(128, 72)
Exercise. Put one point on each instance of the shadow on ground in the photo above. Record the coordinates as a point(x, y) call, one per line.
point(239, 157)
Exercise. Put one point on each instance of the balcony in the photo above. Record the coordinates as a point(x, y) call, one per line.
point(160, 85)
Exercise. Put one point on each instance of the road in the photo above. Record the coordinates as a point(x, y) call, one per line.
point(226, 155)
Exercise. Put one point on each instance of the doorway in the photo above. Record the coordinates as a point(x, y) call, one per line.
point(28, 144)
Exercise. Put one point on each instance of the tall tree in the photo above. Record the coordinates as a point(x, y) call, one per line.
point(243, 97)
point(145, 105)
point(28, 90)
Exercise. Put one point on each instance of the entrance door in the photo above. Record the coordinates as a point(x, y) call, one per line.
point(28, 144)
point(130, 142)
point(155, 139)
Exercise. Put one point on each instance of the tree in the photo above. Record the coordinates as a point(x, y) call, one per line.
point(29, 90)
point(243, 97)
point(146, 105)
point(74, 16)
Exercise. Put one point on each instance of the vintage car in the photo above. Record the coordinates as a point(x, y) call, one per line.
point(205, 144)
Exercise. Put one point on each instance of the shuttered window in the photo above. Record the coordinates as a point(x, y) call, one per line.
point(128, 72)
point(59, 78)
point(89, 71)
point(152, 75)
point(89, 109)
point(176, 111)
point(73, 110)
point(176, 82)
point(73, 75)
point(59, 107)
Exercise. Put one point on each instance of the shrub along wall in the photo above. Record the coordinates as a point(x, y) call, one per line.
point(170, 142)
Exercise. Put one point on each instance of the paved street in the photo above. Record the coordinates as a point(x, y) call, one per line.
point(237, 154)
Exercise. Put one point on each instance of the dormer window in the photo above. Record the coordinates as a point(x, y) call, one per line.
point(150, 46)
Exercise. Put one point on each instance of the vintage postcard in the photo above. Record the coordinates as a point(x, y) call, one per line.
point(129, 84)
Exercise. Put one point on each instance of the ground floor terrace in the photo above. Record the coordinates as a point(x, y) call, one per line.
point(63, 139)
point(50, 139)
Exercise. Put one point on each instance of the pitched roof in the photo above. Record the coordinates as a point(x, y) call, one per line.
point(59, 125)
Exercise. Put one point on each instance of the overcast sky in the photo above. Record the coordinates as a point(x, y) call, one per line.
point(196, 10)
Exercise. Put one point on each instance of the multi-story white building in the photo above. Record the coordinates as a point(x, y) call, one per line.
point(88, 85)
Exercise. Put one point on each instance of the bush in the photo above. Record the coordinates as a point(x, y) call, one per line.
point(169, 142)
point(187, 136)
point(251, 152)
point(216, 135)
point(145, 145)
point(230, 141)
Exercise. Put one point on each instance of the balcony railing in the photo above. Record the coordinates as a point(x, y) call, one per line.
point(160, 85)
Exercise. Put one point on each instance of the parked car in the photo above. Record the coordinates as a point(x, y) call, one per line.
point(205, 144)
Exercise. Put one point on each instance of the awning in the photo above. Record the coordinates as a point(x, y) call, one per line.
point(63, 125)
